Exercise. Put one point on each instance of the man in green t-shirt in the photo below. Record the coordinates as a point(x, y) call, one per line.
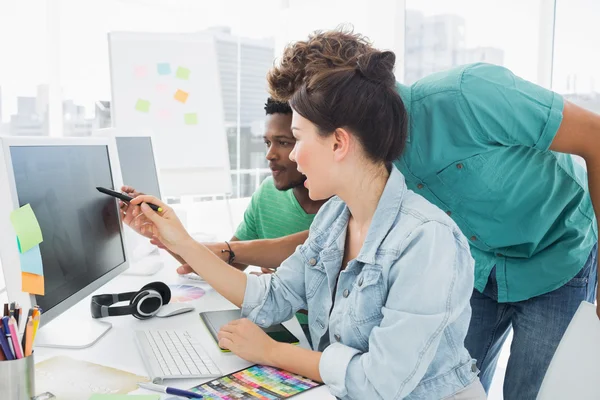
point(280, 207)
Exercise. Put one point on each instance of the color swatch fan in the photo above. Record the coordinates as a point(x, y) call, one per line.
point(185, 293)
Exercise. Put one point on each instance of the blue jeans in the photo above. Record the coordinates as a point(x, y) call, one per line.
point(538, 323)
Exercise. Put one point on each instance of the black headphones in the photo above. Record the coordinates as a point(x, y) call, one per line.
point(143, 304)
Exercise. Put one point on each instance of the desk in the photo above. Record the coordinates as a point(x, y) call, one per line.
point(117, 348)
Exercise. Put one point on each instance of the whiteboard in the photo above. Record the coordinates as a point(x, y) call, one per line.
point(167, 85)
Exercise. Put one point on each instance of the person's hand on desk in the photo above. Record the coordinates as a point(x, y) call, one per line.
point(246, 340)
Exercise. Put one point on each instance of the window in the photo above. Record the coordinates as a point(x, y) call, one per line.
point(24, 68)
point(443, 34)
point(245, 52)
point(576, 70)
point(23, 73)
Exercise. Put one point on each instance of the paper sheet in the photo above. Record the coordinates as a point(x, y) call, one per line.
point(71, 379)
point(125, 397)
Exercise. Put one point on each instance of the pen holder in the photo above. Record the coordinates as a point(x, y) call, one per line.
point(17, 379)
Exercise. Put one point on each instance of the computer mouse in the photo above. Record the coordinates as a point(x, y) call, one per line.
point(171, 309)
point(192, 277)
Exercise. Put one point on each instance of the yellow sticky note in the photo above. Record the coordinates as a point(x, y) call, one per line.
point(183, 73)
point(181, 96)
point(31, 283)
point(191, 119)
point(142, 105)
point(26, 227)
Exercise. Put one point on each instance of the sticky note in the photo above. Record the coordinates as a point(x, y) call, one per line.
point(181, 96)
point(162, 88)
point(183, 73)
point(140, 71)
point(26, 227)
point(32, 283)
point(164, 114)
point(142, 105)
point(125, 397)
point(191, 119)
point(163, 68)
point(31, 261)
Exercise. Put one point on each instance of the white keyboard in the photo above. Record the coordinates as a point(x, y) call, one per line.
point(172, 354)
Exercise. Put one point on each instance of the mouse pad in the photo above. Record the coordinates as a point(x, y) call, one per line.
point(214, 320)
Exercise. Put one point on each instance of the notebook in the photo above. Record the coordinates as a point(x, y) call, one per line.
point(214, 320)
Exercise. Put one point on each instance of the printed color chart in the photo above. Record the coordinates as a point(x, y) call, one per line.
point(185, 293)
point(256, 382)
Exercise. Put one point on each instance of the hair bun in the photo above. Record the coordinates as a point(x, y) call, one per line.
point(377, 66)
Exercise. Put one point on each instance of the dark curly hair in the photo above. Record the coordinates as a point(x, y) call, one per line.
point(324, 49)
point(277, 107)
point(336, 79)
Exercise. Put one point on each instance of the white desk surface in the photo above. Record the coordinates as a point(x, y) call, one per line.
point(117, 348)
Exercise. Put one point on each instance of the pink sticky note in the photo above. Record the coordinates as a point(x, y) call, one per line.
point(140, 71)
point(162, 88)
point(164, 114)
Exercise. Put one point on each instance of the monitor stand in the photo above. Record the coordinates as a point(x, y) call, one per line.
point(71, 333)
point(146, 266)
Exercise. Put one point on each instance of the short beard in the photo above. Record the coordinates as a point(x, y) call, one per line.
point(291, 185)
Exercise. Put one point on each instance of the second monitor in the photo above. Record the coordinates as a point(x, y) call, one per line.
point(138, 165)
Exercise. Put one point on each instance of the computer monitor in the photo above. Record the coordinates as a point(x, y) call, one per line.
point(138, 166)
point(83, 246)
point(138, 169)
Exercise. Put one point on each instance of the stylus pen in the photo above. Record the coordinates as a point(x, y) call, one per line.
point(124, 197)
point(170, 390)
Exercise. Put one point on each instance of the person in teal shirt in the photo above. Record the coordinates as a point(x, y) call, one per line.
point(493, 151)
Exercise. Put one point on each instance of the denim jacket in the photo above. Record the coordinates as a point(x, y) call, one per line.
point(394, 324)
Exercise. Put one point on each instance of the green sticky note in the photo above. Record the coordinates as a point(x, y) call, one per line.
point(142, 105)
point(183, 73)
point(191, 119)
point(125, 397)
point(26, 227)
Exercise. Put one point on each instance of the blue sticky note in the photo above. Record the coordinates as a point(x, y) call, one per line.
point(31, 261)
point(163, 68)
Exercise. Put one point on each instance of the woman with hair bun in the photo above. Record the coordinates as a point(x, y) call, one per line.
point(385, 275)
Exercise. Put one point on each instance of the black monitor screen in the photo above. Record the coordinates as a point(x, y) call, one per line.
point(137, 164)
point(80, 226)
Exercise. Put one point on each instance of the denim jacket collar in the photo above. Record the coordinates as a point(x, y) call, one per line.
point(386, 213)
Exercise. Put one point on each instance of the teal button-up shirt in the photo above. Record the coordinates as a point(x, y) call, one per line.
point(478, 148)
